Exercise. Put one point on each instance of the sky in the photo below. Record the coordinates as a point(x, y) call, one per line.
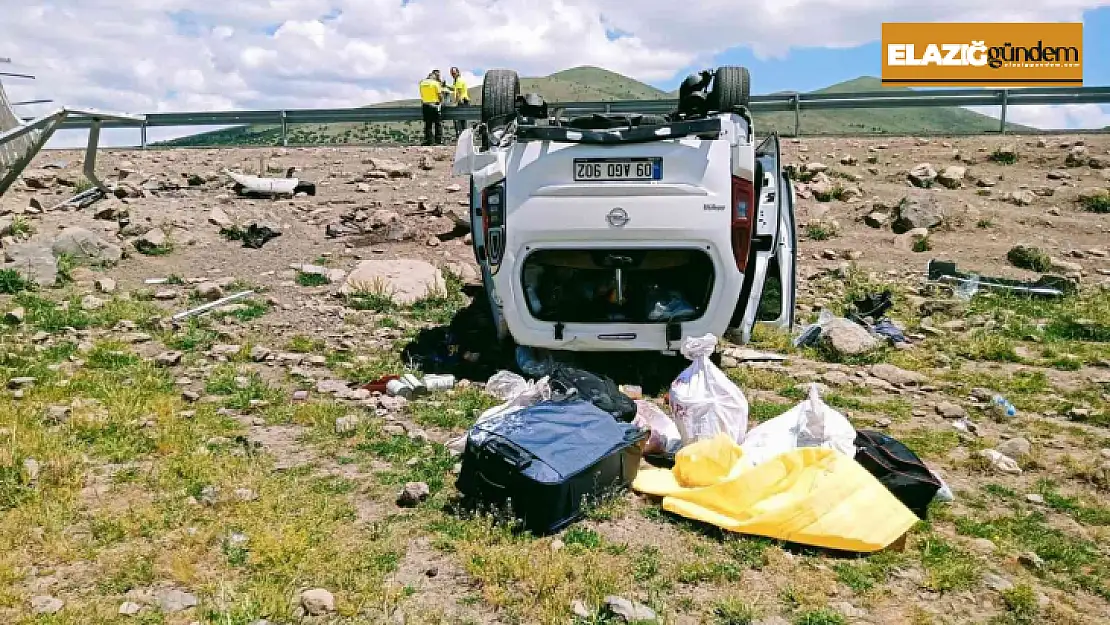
point(194, 55)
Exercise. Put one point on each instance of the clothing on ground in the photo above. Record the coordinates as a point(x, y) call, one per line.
point(810, 496)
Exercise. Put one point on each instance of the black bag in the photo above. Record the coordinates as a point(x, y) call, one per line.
point(546, 460)
point(898, 468)
point(599, 390)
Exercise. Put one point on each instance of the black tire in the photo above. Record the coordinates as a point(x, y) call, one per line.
point(731, 88)
point(500, 87)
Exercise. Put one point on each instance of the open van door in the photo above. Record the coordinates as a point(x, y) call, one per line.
point(772, 292)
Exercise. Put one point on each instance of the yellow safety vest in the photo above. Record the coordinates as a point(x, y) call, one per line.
point(429, 91)
point(461, 92)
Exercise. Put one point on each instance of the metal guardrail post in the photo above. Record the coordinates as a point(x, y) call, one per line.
point(142, 136)
point(797, 115)
point(284, 131)
point(608, 108)
point(1005, 95)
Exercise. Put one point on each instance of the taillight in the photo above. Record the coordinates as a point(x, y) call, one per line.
point(493, 223)
point(743, 207)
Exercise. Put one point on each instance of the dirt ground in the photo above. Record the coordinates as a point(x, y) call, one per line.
point(214, 472)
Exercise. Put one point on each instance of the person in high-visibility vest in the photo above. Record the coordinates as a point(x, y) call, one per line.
point(431, 99)
point(461, 96)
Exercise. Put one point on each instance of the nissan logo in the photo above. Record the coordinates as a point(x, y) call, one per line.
point(617, 217)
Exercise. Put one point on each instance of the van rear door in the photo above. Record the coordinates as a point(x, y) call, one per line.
point(771, 297)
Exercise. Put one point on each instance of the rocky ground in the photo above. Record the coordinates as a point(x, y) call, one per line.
point(229, 469)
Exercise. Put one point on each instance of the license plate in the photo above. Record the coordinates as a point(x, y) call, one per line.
point(618, 169)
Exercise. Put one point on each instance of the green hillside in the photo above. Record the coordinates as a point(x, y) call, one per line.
point(596, 84)
point(895, 121)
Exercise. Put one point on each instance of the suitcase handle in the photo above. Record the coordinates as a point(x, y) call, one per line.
point(508, 454)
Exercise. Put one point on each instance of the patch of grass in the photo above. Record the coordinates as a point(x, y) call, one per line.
point(1095, 203)
point(66, 263)
point(821, 231)
point(1030, 258)
point(144, 247)
point(13, 282)
point(241, 387)
point(734, 611)
point(193, 336)
point(837, 192)
point(21, 227)
point(311, 279)
point(1072, 506)
point(865, 574)
point(439, 306)
point(376, 296)
point(1003, 157)
point(302, 344)
point(456, 410)
point(252, 309)
point(708, 571)
point(1022, 607)
point(582, 537)
point(984, 224)
point(820, 616)
point(922, 244)
point(1069, 561)
point(50, 316)
point(948, 567)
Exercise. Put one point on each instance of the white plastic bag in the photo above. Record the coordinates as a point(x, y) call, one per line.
point(664, 436)
point(811, 423)
point(704, 401)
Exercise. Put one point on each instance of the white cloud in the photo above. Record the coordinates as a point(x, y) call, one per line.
point(173, 55)
point(1052, 117)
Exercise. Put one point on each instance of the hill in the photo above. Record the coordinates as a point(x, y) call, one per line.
point(580, 84)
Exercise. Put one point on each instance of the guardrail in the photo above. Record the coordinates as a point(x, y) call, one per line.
point(784, 102)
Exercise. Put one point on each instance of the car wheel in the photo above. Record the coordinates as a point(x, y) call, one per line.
point(731, 88)
point(500, 88)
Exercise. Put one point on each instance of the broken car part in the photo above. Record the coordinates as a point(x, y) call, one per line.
point(1048, 286)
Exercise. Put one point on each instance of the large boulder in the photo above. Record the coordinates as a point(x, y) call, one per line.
point(952, 177)
point(86, 248)
point(35, 262)
point(918, 210)
point(923, 175)
point(842, 337)
point(405, 280)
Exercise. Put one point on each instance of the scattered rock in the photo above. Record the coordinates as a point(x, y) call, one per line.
point(897, 376)
point(629, 611)
point(43, 604)
point(918, 210)
point(1031, 560)
point(876, 219)
point(1000, 462)
point(578, 608)
point(85, 248)
point(347, 424)
point(412, 494)
point(923, 175)
point(1077, 156)
point(912, 240)
point(997, 583)
point(33, 261)
point(949, 410)
point(15, 316)
point(209, 291)
point(129, 608)
point(845, 338)
point(153, 241)
point(172, 600)
point(1023, 197)
point(1015, 447)
point(1063, 266)
point(952, 177)
point(404, 280)
point(106, 285)
point(1034, 498)
point(217, 217)
point(318, 602)
point(168, 359)
point(392, 168)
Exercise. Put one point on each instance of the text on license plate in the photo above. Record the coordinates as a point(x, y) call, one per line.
point(645, 168)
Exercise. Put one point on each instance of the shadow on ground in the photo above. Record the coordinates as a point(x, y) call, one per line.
point(468, 348)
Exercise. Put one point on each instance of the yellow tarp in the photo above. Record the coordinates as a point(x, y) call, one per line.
point(811, 496)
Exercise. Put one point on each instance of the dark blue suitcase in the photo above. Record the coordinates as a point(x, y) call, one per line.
point(546, 461)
